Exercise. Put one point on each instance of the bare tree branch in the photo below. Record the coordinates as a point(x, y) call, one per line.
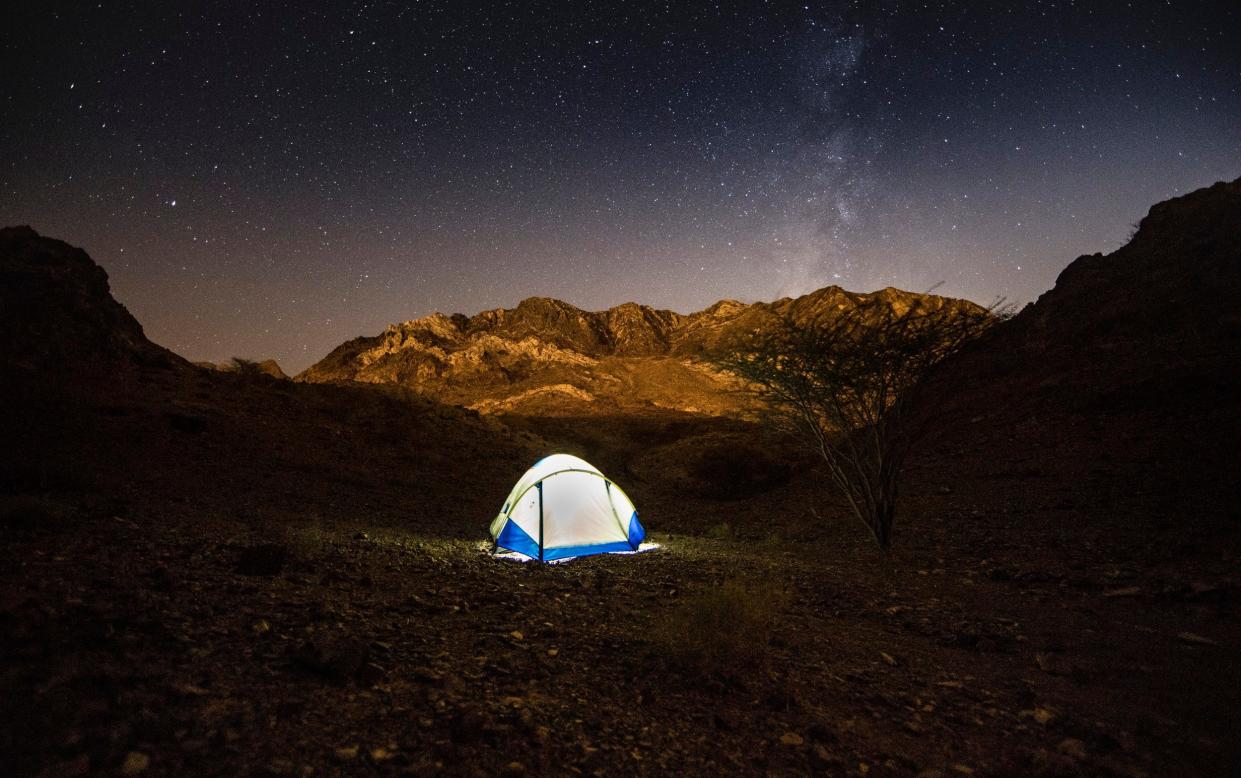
point(842, 386)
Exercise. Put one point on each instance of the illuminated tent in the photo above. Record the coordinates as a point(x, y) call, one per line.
point(564, 507)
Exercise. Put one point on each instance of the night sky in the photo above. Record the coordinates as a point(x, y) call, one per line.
point(270, 179)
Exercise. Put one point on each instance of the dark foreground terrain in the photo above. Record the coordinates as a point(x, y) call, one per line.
point(224, 573)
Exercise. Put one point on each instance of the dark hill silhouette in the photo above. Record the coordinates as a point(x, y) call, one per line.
point(1142, 340)
point(58, 312)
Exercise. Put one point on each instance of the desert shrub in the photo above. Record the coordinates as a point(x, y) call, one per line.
point(721, 630)
point(843, 387)
point(732, 472)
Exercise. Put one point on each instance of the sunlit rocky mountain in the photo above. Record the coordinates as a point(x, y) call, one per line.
point(546, 356)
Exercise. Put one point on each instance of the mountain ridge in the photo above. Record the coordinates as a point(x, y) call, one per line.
point(557, 355)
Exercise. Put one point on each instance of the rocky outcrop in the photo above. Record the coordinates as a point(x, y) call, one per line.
point(546, 356)
point(57, 312)
point(1137, 346)
point(268, 367)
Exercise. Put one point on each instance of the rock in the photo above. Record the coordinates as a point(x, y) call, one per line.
point(516, 635)
point(265, 559)
point(192, 424)
point(466, 726)
point(1053, 664)
point(339, 659)
point(371, 674)
point(553, 652)
point(1072, 747)
point(161, 579)
point(381, 754)
point(824, 758)
point(347, 753)
point(1195, 638)
point(514, 769)
point(792, 739)
point(260, 628)
point(135, 763)
point(888, 658)
point(428, 676)
point(1043, 715)
point(361, 536)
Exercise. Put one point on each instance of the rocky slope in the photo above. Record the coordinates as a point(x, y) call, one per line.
point(58, 312)
point(548, 357)
point(88, 402)
point(1142, 340)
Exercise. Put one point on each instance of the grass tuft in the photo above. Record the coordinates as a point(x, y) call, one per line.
point(721, 630)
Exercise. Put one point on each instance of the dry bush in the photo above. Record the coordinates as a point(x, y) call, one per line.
point(721, 630)
point(843, 387)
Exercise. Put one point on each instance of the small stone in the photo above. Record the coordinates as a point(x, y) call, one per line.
point(361, 536)
point(553, 651)
point(1043, 715)
point(514, 768)
point(260, 628)
point(792, 739)
point(888, 658)
point(265, 559)
point(347, 753)
point(371, 674)
point(135, 763)
point(824, 758)
point(381, 754)
point(1193, 637)
point(1128, 591)
point(1052, 664)
point(1072, 747)
point(516, 635)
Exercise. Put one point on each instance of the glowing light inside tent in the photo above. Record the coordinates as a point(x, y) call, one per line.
point(564, 507)
point(514, 556)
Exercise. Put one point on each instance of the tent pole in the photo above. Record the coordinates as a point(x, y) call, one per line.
point(607, 487)
point(540, 521)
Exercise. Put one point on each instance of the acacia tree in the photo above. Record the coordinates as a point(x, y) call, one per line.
point(843, 386)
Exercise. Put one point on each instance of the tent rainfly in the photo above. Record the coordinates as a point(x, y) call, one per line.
point(564, 507)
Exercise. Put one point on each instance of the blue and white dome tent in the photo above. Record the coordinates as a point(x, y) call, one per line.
point(564, 507)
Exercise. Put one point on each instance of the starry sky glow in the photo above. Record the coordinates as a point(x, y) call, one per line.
point(271, 179)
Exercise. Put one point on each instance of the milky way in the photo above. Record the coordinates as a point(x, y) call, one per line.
point(266, 179)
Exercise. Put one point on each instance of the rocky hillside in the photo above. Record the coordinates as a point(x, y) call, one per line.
point(88, 403)
point(1150, 330)
point(547, 356)
point(57, 310)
